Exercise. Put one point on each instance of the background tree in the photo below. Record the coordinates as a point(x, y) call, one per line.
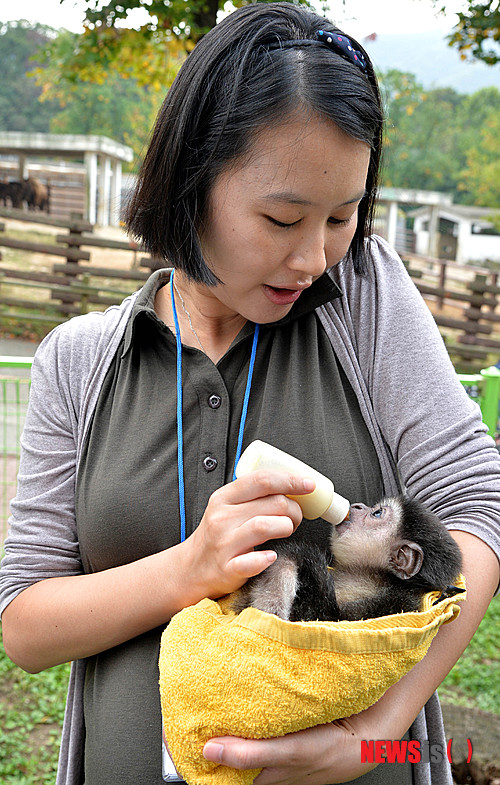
point(421, 134)
point(142, 49)
point(435, 139)
point(480, 177)
point(119, 108)
point(20, 109)
point(442, 140)
point(478, 147)
point(477, 32)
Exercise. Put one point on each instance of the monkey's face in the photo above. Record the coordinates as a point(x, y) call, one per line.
point(366, 538)
point(372, 538)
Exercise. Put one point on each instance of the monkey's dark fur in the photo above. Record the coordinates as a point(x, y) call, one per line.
point(382, 560)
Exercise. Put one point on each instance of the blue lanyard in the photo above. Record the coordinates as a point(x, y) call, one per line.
point(180, 450)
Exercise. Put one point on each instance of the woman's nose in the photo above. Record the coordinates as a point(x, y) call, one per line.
point(309, 258)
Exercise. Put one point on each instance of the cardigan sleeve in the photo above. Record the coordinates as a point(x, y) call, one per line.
point(42, 541)
point(434, 432)
point(66, 376)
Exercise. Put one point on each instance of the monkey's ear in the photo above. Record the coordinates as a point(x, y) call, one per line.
point(406, 559)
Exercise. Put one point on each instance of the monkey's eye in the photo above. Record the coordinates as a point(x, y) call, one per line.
point(378, 512)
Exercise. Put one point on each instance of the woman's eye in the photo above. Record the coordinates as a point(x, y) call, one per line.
point(287, 225)
point(377, 513)
point(281, 223)
point(340, 222)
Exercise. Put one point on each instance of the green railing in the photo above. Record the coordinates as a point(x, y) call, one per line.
point(484, 388)
point(14, 389)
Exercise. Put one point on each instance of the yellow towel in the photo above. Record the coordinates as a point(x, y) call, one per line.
point(257, 676)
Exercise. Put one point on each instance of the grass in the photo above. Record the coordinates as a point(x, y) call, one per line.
point(475, 680)
point(31, 330)
point(32, 707)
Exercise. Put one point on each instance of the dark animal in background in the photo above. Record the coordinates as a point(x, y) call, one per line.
point(36, 194)
point(15, 192)
point(4, 193)
point(382, 560)
point(30, 191)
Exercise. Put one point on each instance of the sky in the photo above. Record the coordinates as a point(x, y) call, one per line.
point(360, 17)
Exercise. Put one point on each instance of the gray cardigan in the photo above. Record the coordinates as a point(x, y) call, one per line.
point(428, 435)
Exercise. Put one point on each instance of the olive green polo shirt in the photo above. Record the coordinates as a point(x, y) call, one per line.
point(127, 503)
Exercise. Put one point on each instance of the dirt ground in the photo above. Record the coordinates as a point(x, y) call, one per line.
point(481, 727)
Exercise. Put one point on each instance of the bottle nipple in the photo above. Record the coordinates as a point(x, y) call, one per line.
point(338, 510)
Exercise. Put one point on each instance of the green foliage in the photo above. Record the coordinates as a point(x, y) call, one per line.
point(477, 33)
point(417, 134)
point(116, 107)
point(32, 710)
point(481, 175)
point(442, 140)
point(185, 21)
point(34, 97)
point(475, 680)
point(435, 139)
point(150, 51)
point(110, 38)
point(151, 58)
point(19, 107)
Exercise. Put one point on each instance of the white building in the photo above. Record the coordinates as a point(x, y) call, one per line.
point(391, 220)
point(465, 234)
point(102, 158)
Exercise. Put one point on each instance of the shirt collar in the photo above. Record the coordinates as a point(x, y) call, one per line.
point(322, 291)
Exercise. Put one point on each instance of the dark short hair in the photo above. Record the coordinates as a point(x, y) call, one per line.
point(237, 81)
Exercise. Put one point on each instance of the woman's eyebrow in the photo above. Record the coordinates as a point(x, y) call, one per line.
point(292, 198)
point(288, 196)
point(356, 198)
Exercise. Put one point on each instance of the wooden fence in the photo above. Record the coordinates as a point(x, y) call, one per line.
point(73, 286)
point(464, 301)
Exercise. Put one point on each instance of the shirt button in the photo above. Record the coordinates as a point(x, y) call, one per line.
point(214, 401)
point(209, 463)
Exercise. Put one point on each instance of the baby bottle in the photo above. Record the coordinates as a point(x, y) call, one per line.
point(323, 502)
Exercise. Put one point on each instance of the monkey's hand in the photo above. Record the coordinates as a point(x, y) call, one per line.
point(323, 754)
point(239, 516)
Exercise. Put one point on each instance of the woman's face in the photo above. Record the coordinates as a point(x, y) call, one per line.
point(279, 220)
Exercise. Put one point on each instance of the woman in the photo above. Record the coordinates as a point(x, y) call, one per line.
point(260, 178)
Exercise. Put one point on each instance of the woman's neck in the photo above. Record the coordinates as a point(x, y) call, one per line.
point(204, 321)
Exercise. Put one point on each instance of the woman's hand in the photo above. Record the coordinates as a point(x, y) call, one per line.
point(320, 755)
point(239, 516)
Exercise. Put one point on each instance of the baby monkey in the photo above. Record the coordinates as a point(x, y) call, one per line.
point(382, 560)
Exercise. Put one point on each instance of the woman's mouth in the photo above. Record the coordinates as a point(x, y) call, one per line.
point(280, 296)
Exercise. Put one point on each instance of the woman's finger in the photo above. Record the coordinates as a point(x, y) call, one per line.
point(244, 753)
point(252, 563)
point(262, 483)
